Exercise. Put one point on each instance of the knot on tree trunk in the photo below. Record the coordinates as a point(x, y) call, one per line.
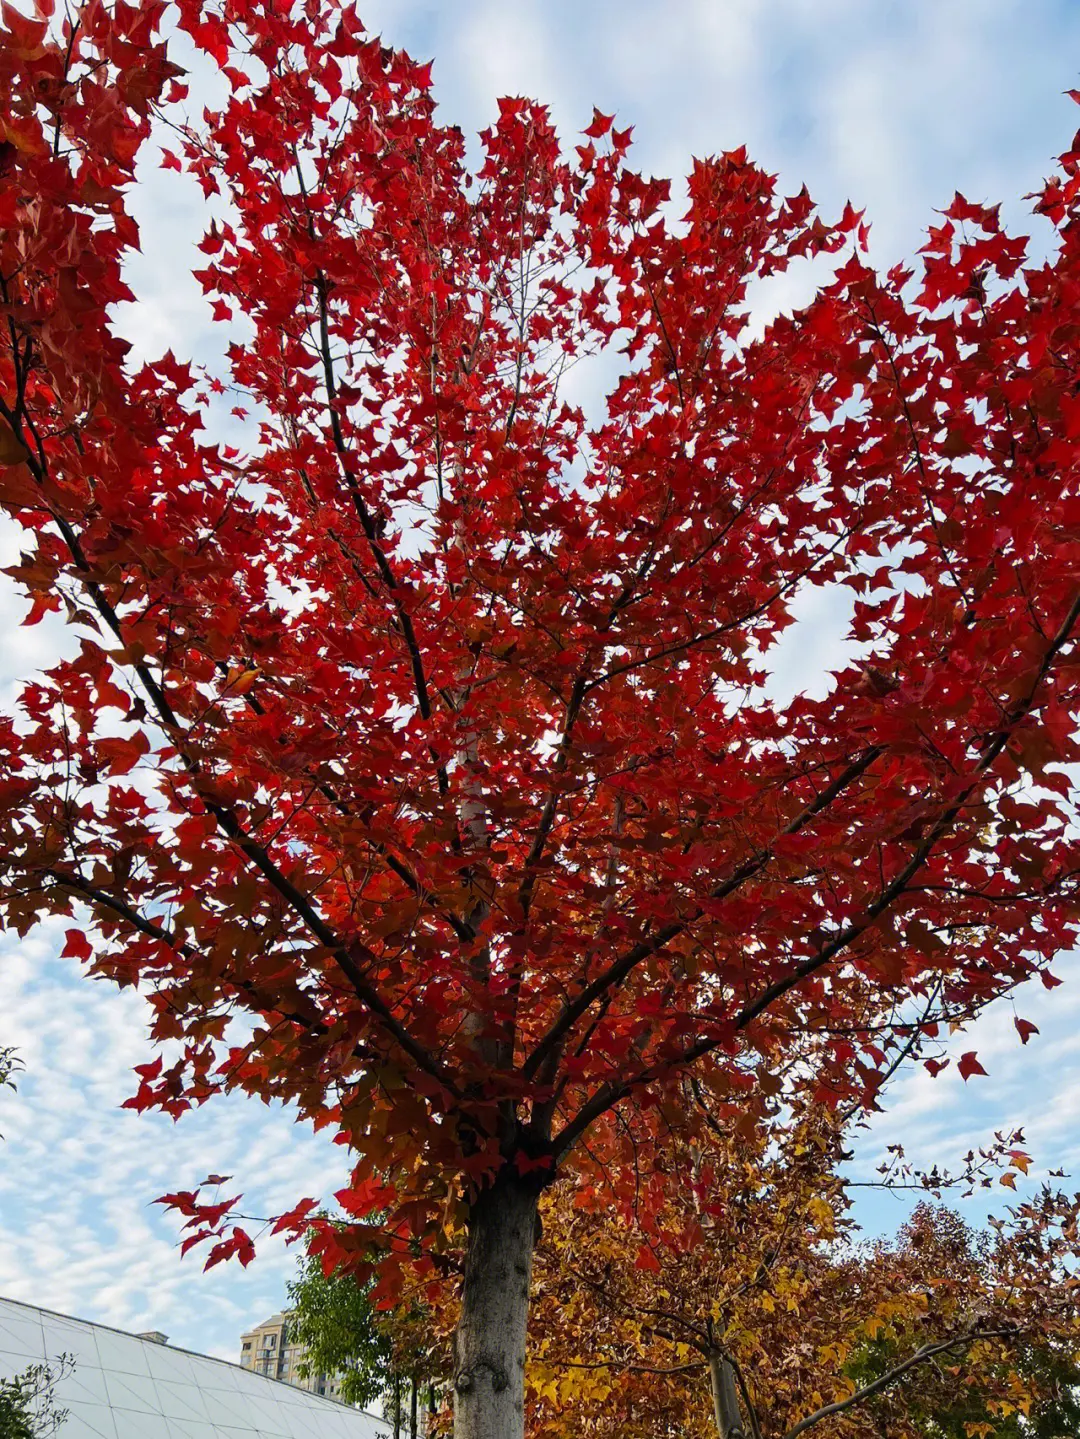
point(465, 1380)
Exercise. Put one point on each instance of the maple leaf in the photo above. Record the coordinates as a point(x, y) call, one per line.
point(76, 946)
point(600, 125)
point(1025, 1029)
point(646, 1259)
point(968, 1065)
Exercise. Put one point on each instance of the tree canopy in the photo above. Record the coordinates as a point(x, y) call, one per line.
point(753, 1263)
point(417, 756)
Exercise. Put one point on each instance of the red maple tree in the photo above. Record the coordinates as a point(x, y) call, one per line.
point(416, 759)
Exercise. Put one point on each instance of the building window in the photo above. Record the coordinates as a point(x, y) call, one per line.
point(247, 1343)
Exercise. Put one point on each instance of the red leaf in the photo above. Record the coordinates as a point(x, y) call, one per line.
point(77, 946)
point(295, 1217)
point(526, 1164)
point(601, 124)
point(120, 756)
point(646, 1259)
point(365, 1197)
point(969, 1065)
point(245, 1249)
point(1025, 1029)
point(42, 605)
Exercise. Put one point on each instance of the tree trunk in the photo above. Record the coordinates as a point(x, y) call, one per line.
point(489, 1346)
point(726, 1410)
point(413, 1413)
point(397, 1406)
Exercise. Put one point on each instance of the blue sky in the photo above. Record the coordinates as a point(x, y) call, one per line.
point(893, 103)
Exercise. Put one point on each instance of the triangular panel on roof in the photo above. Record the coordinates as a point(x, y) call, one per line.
point(125, 1387)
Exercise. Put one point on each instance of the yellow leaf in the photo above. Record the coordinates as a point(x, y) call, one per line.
point(240, 680)
point(874, 1326)
point(820, 1211)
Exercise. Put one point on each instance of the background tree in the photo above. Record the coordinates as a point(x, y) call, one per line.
point(389, 1354)
point(10, 1066)
point(1030, 1385)
point(28, 1404)
point(335, 1321)
point(758, 1282)
point(1049, 1381)
point(415, 754)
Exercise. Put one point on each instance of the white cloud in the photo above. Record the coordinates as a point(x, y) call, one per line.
point(1034, 1087)
point(78, 1230)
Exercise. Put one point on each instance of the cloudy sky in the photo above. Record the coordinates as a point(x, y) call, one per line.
point(893, 103)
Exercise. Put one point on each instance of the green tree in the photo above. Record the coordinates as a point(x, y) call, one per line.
point(14, 1418)
point(336, 1322)
point(374, 1353)
point(1046, 1369)
point(10, 1065)
point(28, 1407)
point(1052, 1373)
point(1035, 1386)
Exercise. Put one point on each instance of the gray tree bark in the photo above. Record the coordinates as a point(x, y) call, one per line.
point(489, 1346)
point(729, 1424)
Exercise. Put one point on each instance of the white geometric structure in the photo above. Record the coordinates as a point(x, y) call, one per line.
point(125, 1387)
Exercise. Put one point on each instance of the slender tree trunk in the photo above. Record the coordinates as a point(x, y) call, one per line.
point(729, 1424)
point(413, 1412)
point(489, 1347)
point(397, 1406)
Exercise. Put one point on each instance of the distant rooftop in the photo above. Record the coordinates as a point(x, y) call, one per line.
point(132, 1386)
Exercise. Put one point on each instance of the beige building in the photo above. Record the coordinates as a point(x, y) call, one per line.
point(267, 1350)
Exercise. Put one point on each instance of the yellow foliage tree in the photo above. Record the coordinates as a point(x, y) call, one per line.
point(740, 1300)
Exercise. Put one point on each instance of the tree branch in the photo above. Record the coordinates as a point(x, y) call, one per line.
point(644, 949)
point(610, 1094)
point(928, 1351)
